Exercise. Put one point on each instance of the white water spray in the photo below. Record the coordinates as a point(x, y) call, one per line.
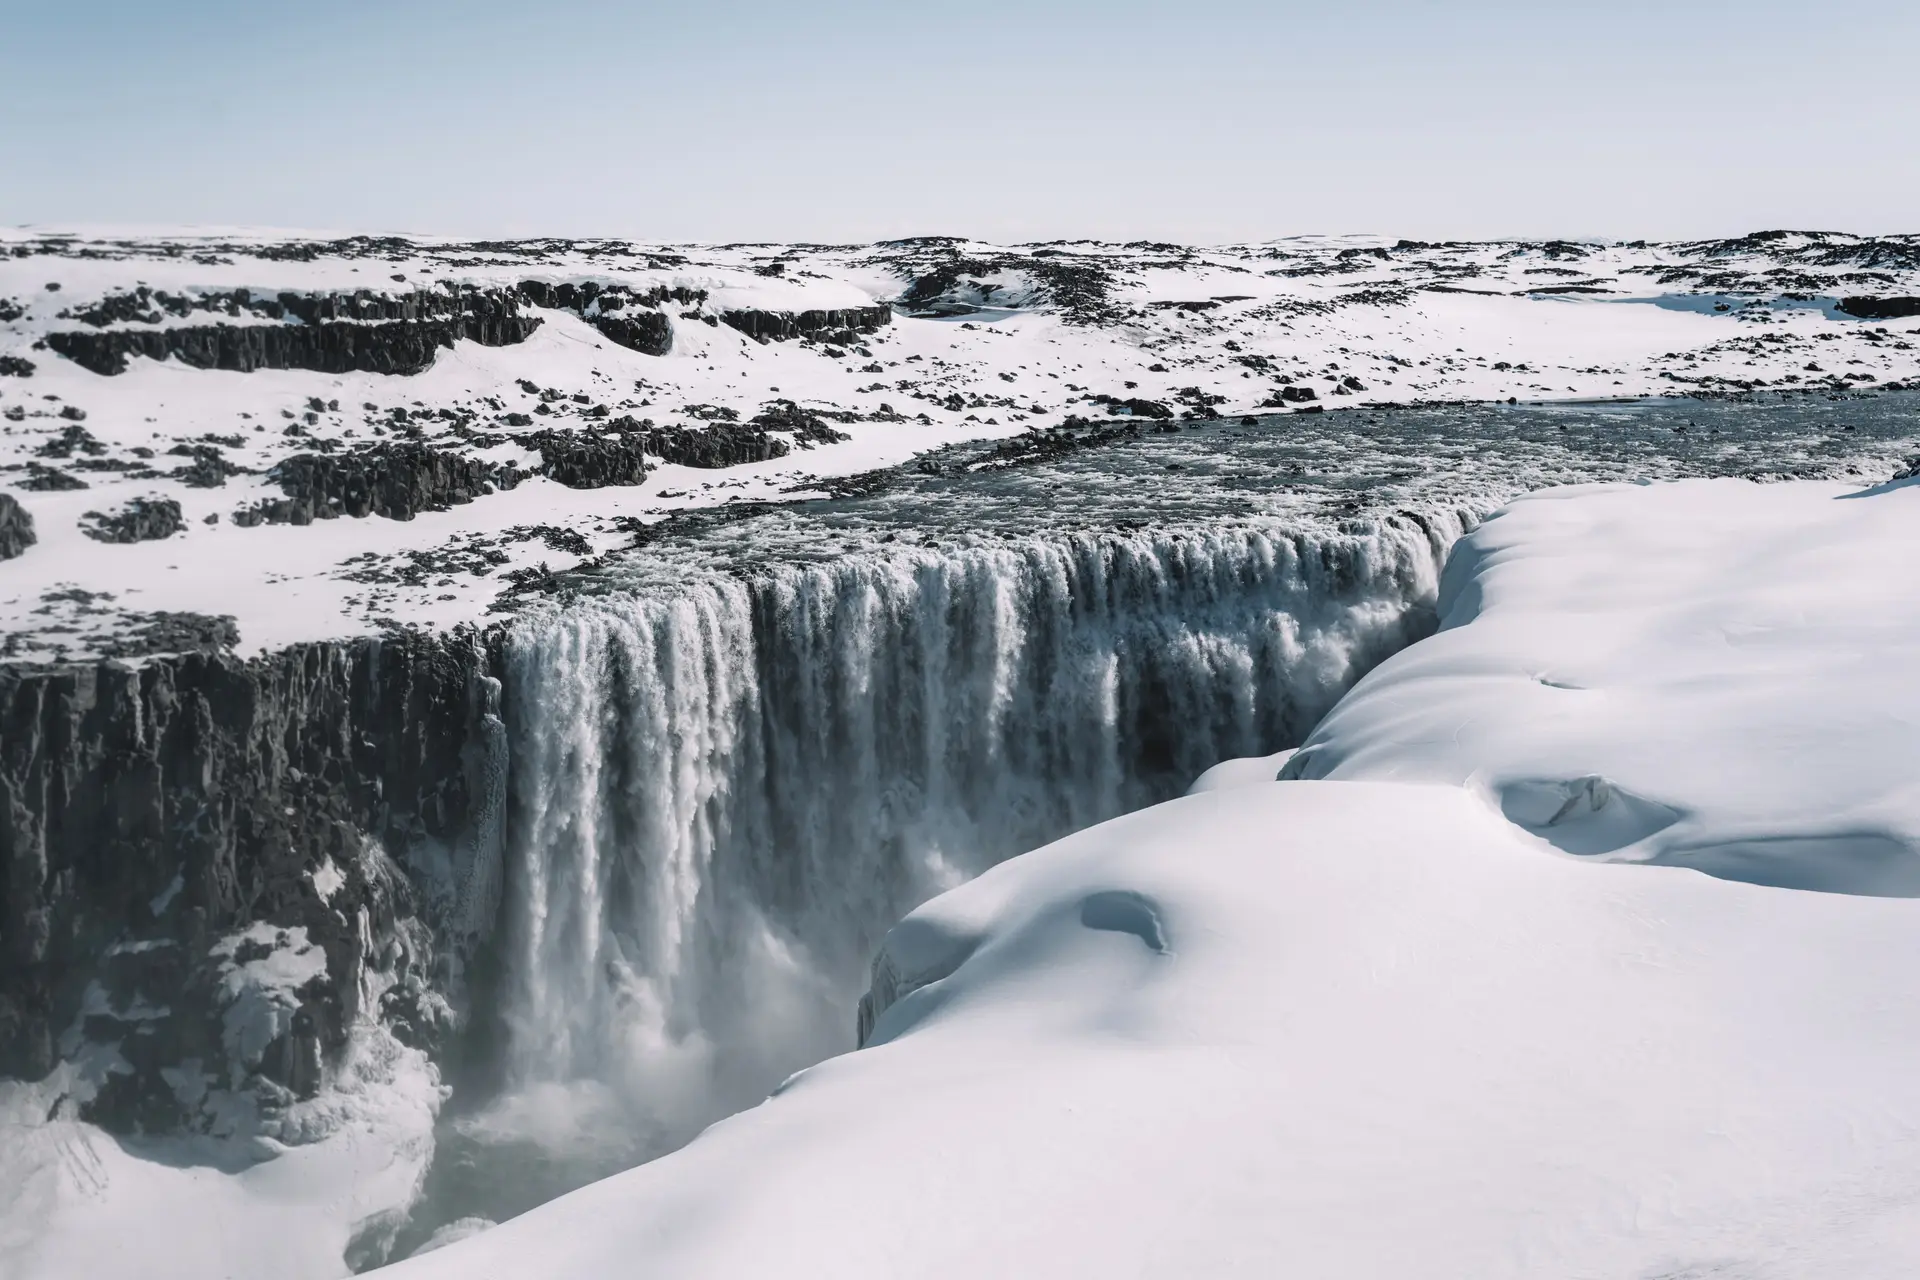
point(722, 796)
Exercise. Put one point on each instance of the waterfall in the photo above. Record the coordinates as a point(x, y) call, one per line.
point(721, 795)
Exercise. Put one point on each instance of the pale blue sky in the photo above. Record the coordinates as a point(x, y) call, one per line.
point(839, 120)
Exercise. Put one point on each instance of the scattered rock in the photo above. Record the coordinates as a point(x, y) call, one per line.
point(141, 520)
point(779, 326)
point(396, 479)
point(45, 479)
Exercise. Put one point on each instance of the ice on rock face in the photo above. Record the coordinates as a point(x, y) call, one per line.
point(263, 971)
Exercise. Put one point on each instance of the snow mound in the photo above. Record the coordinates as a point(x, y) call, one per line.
point(1709, 674)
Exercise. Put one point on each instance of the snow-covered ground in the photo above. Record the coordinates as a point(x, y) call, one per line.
point(1455, 1000)
point(984, 341)
point(76, 1201)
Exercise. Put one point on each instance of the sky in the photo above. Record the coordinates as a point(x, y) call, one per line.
point(1202, 121)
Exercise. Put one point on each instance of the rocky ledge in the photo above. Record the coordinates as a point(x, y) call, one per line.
point(141, 520)
point(328, 333)
point(213, 869)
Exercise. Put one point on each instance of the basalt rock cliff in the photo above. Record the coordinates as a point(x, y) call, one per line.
point(213, 863)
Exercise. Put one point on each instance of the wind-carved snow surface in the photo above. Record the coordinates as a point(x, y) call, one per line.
point(724, 795)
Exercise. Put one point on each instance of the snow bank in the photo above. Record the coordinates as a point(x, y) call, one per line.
point(1391, 1025)
point(1707, 674)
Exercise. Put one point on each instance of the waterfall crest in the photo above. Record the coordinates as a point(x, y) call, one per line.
point(722, 795)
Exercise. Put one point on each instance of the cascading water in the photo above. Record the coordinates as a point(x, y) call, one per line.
point(737, 755)
point(722, 793)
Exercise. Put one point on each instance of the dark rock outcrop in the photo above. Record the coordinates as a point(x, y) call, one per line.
point(209, 468)
point(141, 520)
point(162, 826)
point(1139, 408)
point(15, 367)
point(806, 428)
point(16, 527)
point(72, 439)
point(779, 326)
point(628, 317)
point(44, 479)
point(335, 333)
point(170, 631)
point(589, 460)
point(648, 332)
point(397, 479)
point(1881, 308)
point(721, 444)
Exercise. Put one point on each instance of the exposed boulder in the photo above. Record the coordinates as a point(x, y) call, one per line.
point(44, 479)
point(141, 520)
point(627, 317)
point(589, 460)
point(72, 439)
point(720, 444)
point(648, 332)
point(1140, 408)
point(16, 527)
point(396, 479)
point(807, 429)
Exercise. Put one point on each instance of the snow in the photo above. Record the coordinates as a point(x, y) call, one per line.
point(1453, 1000)
point(262, 994)
point(1408, 322)
point(82, 1203)
point(1731, 687)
